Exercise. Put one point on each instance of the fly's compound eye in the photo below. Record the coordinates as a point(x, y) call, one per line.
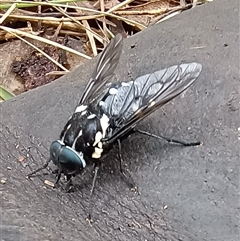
point(55, 150)
point(71, 160)
point(66, 158)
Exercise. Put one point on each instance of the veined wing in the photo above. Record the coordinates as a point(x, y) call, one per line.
point(131, 102)
point(104, 70)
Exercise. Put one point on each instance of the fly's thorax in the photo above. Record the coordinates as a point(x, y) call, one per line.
point(85, 130)
point(93, 132)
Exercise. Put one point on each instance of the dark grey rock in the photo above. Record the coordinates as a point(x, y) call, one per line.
point(186, 193)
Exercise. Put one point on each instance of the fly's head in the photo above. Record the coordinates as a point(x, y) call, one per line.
point(66, 159)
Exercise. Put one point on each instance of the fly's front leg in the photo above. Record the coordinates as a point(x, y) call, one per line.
point(128, 178)
point(39, 169)
point(58, 176)
point(198, 143)
point(68, 186)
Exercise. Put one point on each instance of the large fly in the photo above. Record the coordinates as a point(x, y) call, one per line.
point(108, 112)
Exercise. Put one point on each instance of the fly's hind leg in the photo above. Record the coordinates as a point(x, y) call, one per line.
point(39, 169)
point(127, 177)
point(198, 143)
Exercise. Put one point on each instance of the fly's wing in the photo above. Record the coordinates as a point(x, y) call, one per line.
point(106, 65)
point(137, 99)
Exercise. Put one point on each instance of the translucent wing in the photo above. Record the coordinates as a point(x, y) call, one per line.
point(106, 65)
point(135, 100)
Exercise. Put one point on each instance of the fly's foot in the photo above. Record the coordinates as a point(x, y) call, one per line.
point(69, 186)
point(89, 219)
point(69, 189)
point(134, 189)
point(55, 171)
point(129, 180)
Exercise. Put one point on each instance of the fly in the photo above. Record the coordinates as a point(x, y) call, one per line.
point(107, 112)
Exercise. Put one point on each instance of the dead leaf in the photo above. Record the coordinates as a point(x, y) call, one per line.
point(149, 12)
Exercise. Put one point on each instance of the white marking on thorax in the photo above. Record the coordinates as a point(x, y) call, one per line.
point(101, 103)
point(124, 84)
point(84, 113)
point(91, 116)
point(98, 137)
point(100, 145)
point(113, 91)
point(74, 143)
point(61, 142)
point(68, 127)
point(97, 152)
point(81, 108)
point(104, 122)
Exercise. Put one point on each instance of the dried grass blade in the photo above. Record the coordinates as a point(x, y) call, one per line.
point(47, 41)
point(42, 52)
point(5, 15)
point(90, 37)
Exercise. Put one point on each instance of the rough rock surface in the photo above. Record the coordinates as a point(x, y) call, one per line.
point(186, 193)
